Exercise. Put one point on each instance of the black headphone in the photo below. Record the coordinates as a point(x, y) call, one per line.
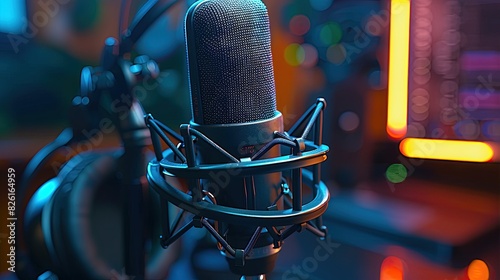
point(72, 227)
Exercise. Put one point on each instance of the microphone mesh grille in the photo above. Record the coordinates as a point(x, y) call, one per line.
point(231, 71)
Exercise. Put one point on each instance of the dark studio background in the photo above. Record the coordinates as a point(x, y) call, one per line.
point(432, 225)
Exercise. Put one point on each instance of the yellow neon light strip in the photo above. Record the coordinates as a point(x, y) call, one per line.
point(458, 150)
point(399, 47)
point(397, 112)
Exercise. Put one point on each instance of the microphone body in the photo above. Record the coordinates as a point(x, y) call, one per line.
point(233, 102)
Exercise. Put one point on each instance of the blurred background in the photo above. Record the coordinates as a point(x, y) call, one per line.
point(405, 81)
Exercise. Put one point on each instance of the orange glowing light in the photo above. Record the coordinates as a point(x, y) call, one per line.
point(478, 270)
point(399, 48)
point(458, 150)
point(392, 269)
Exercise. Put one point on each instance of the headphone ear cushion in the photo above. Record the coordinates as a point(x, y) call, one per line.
point(71, 215)
point(86, 228)
point(38, 225)
point(39, 255)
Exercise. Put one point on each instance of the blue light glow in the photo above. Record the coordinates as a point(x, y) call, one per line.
point(41, 197)
point(321, 5)
point(12, 16)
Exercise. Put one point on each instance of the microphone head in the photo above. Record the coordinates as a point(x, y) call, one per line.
point(230, 64)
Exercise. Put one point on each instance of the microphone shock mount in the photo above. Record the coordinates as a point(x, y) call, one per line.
point(299, 165)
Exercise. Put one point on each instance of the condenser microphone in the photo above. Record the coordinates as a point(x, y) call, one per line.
point(242, 189)
point(233, 102)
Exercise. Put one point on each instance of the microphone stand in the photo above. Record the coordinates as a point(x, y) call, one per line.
point(118, 76)
point(134, 135)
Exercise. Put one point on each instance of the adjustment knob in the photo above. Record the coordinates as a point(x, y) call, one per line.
point(144, 67)
point(87, 85)
point(110, 53)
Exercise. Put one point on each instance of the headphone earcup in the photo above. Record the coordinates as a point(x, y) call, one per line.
point(77, 219)
point(37, 221)
point(35, 233)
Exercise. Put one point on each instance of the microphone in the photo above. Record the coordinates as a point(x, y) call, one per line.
point(242, 189)
point(233, 100)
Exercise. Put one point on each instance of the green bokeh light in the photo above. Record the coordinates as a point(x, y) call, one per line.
point(331, 33)
point(396, 173)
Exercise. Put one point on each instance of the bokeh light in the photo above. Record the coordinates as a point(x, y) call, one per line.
point(467, 129)
point(330, 33)
point(311, 55)
point(478, 270)
point(419, 104)
point(12, 16)
point(299, 25)
point(491, 130)
point(295, 54)
point(416, 129)
point(396, 173)
point(392, 268)
point(336, 54)
point(349, 121)
point(320, 5)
